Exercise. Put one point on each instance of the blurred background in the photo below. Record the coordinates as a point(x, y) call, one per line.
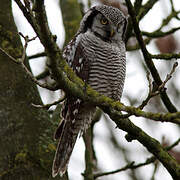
point(111, 148)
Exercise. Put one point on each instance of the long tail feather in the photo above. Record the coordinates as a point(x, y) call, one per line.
point(67, 134)
point(65, 148)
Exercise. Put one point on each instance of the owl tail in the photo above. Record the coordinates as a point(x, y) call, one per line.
point(67, 133)
point(65, 147)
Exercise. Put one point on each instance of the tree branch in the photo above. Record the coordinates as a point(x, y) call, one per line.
point(158, 33)
point(42, 54)
point(28, 72)
point(148, 59)
point(166, 56)
point(150, 143)
point(47, 106)
point(159, 89)
point(88, 173)
point(146, 8)
point(132, 164)
point(128, 166)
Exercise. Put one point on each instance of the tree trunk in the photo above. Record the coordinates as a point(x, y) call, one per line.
point(21, 124)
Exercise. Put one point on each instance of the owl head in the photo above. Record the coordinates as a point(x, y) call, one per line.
point(106, 22)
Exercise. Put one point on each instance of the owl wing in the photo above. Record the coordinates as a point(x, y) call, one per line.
point(75, 56)
point(72, 111)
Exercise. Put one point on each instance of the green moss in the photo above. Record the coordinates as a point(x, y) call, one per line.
point(21, 157)
point(7, 43)
point(52, 147)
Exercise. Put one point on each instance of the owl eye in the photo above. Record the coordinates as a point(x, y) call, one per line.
point(104, 21)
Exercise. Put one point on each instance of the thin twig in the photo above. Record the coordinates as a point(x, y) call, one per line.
point(168, 77)
point(146, 8)
point(148, 59)
point(43, 74)
point(47, 106)
point(27, 40)
point(42, 54)
point(166, 20)
point(159, 89)
point(173, 145)
point(150, 94)
point(43, 85)
point(158, 33)
point(172, 6)
point(128, 166)
point(132, 164)
point(156, 166)
point(166, 56)
point(21, 62)
point(13, 59)
point(149, 81)
point(88, 172)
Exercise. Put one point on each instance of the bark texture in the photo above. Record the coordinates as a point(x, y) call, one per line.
point(21, 125)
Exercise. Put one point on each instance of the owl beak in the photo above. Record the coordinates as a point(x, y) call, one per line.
point(112, 32)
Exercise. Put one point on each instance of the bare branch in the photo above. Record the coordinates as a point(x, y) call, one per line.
point(146, 8)
point(27, 40)
point(132, 164)
point(42, 54)
point(87, 137)
point(43, 74)
point(21, 62)
point(47, 106)
point(168, 77)
point(148, 59)
point(159, 89)
point(150, 94)
point(128, 166)
point(13, 59)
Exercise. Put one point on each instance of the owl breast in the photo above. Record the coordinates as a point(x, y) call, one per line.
point(107, 65)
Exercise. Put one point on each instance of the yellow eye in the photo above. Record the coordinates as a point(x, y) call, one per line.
point(104, 21)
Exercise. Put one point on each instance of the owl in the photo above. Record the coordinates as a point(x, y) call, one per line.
point(97, 55)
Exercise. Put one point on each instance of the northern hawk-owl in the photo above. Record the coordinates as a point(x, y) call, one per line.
point(97, 56)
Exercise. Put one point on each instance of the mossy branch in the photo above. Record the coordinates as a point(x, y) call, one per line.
point(166, 56)
point(158, 33)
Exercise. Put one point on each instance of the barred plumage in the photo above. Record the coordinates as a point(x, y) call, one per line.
point(97, 55)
